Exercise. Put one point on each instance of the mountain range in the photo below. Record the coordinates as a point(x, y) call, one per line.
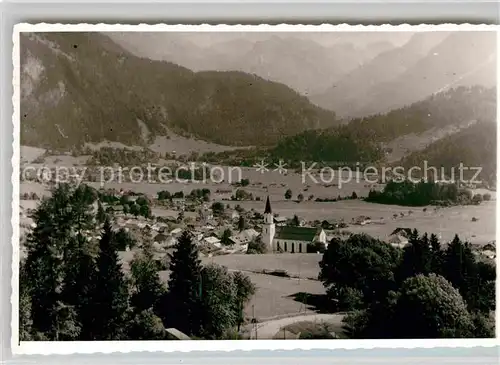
point(83, 87)
point(368, 139)
point(304, 63)
point(474, 147)
point(352, 74)
point(404, 75)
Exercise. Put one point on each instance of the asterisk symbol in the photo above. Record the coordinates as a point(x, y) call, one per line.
point(280, 167)
point(261, 167)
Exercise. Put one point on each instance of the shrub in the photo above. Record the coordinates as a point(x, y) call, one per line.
point(256, 247)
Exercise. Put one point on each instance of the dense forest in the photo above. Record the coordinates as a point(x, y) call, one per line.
point(408, 193)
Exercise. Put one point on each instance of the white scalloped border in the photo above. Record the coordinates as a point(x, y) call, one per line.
point(283, 27)
point(80, 347)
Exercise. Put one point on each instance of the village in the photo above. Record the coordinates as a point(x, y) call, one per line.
point(270, 226)
point(219, 222)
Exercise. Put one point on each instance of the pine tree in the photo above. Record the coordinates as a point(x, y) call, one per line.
point(226, 237)
point(460, 268)
point(78, 286)
point(44, 264)
point(185, 287)
point(241, 223)
point(68, 327)
point(416, 256)
point(25, 321)
point(148, 288)
point(455, 262)
point(437, 259)
point(101, 214)
point(110, 296)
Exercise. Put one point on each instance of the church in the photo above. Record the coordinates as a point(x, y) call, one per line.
point(287, 238)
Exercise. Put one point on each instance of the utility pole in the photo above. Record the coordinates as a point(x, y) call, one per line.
point(254, 320)
point(298, 264)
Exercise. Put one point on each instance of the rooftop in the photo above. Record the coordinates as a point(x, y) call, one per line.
point(268, 207)
point(297, 233)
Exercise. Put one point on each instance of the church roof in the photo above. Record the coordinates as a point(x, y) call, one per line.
point(296, 233)
point(268, 207)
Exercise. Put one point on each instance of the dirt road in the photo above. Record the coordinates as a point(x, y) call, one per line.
point(267, 330)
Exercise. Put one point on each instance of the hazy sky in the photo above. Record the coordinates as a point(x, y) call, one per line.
point(207, 39)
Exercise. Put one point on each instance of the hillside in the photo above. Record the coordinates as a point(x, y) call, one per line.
point(344, 96)
point(366, 139)
point(474, 146)
point(452, 107)
point(425, 65)
point(341, 145)
point(297, 60)
point(83, 87)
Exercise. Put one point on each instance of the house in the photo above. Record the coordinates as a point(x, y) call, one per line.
point(214, 241)
point(398, 240)
point(287, 238)
point(361, 220)
point(132, 198)
point(280, 221)
point(206, 214)
point(176, 231)
point(208, 227)
point(160, 238)
point(489, 254)
point(490, 246)
point(244, 237)
point(405, 232)
point(198, 236)
point(180, 202)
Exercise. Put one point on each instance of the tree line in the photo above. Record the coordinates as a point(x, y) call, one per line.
point(408, 193)
point(73, 285)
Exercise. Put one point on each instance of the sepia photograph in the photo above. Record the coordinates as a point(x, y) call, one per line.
point(255, 185)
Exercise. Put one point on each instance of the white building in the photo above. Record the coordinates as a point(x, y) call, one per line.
point(214, 241)
point(287, 238)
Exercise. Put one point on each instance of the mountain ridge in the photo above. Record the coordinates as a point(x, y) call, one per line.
point(401, 77)
point(83, 87)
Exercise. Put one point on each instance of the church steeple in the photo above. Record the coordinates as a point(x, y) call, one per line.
point(268, 207)
point(268, 228)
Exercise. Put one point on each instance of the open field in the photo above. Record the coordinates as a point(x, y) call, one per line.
point(301, 265)
point(274, 296)
point(445, 221)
